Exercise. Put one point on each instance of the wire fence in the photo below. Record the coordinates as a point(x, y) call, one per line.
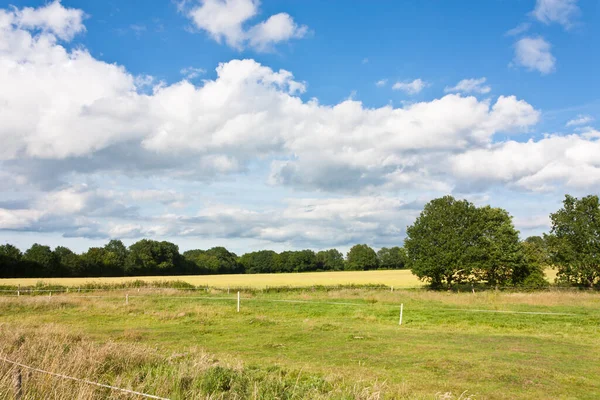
point(18, 382)
point(128, 297)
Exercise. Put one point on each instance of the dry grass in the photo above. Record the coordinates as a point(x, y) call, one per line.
point(193, 374)
point(400, 279)
point(396, 278)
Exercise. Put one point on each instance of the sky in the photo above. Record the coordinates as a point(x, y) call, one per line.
point(289, 125)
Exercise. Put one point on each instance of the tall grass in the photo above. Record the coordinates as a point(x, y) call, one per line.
point(190, 375)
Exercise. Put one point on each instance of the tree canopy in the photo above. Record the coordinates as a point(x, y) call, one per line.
point(453, 241)
point(574, 241)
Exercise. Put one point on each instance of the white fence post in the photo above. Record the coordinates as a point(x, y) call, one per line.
point(238, 302)
point(401, 310)
point(126, 298)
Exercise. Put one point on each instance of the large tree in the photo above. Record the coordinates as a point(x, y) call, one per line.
point(574, 240)
point(10, 259)
point(263, 261)
point(361, 257)
point(41, 261)
point(70, 263)
point(440, 244)
point(150, 257)
point(499, 253)
point(392, 258)
point(330, 260)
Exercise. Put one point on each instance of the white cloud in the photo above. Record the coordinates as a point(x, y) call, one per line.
point(191, 72)
point(559, 11)
point(69, 116)
point(381, 83)
point(411, 88)
point(519, 29)
point(552, 162)
point(580, 120)
point(533, 53)
point(278, 28)
point(470, 86)
point(52, 18)
point(224, 21)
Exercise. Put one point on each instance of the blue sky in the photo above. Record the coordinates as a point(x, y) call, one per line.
point(327, 123)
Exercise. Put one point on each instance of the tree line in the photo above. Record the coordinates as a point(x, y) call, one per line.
point(451, 242)
point(454, 242)
point(161, 258)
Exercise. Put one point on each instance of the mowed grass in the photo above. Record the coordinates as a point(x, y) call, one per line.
point(344, 344)
point(396, 278)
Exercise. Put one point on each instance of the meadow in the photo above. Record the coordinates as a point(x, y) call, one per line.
point(307, 344)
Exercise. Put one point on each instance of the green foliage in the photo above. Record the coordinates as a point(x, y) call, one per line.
point(574, 241)
point(150, 257)
point(361, 258)
point(392, 258)
point(42, 261)
point(440, 243)
point(71, 263)
point(10, 258)
point(257, 262)
point(330, 260)
point(454, 242)
point(499, 256)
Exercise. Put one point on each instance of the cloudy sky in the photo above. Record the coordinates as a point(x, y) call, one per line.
point(289, 124)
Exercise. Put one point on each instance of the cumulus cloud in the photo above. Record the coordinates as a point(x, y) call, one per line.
point(69, 117)
point(470, 86)
point(580, 120)
point(534, 53)
point(52, 18)
point(224, 21)
point(411, 88)
point(381, 83)
point(543, 165)
point(556, 11)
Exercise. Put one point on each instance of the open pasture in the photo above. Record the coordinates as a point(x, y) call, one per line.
point(342, 344)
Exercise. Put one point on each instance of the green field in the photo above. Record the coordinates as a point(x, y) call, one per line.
point(343, 343)
point(396, 278)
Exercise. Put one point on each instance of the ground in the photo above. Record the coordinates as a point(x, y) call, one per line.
point(323, 344)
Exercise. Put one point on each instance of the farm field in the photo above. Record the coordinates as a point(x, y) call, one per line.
point(396, 278)
point(336, 344)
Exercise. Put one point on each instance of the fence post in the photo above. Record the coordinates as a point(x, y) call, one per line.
point(126, 298)
point(17, 384)
point(401, 310)
point(238, 302)
point(392, 289)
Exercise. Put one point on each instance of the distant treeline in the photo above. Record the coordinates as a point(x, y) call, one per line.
point(151, 257)
point(452, 242)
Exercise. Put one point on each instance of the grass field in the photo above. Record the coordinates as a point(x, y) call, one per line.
point(342, 344)
point(396, 278)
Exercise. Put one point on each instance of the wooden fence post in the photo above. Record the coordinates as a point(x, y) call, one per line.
point(17, 384)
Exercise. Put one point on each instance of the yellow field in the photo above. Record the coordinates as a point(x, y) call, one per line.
point(397, 278)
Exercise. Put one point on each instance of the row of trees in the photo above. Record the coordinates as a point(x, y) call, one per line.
point(454, 242)
point(451, 242)
point(150, 257)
